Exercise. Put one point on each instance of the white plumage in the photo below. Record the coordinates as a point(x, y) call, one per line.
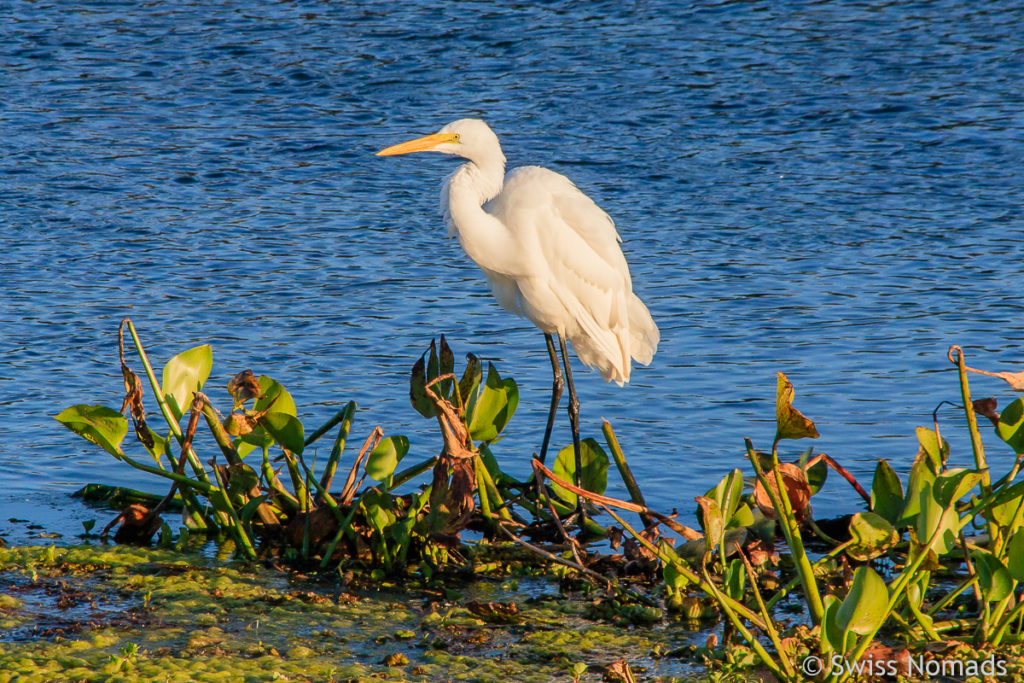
point(549, 252)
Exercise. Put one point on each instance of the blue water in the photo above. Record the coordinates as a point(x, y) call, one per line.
point(831, 190)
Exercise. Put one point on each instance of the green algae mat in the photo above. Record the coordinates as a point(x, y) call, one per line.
point(99, 613)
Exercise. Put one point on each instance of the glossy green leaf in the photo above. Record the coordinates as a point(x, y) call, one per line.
point(832, 638)
point(385, 457)
point(735, 579)
point(728, 493)
point(594, 462)
point(930, 448)
point(921, 476)
point(872, 536)
point(993, 577)
point(102, 426)
point(159, 448)
point(887, 493)
point(743, 517)
point(790, 422)
point(285, 429)
point(817, 474)
point(492, 406)
point(275, 397)
point(1015, 555)
point(933, 518)
point(954, 484)
point(1003, 508)
point(867, 604)
point(185, 374)
point(1011, 425)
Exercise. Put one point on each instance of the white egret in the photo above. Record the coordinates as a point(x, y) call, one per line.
point(551, 255)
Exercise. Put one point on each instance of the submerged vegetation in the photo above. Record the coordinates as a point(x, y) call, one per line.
point(928, 574)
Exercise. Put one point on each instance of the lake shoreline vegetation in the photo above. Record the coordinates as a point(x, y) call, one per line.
point(927, 575)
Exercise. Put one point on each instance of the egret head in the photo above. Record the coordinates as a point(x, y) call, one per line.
point(470, 139)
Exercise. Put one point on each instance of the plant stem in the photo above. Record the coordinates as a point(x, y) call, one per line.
point(165, 409)
point(790, 529)
point(624, 471)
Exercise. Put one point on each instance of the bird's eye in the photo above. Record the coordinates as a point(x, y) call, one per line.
point(457, 137)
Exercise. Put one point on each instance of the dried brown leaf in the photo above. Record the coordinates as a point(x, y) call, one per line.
point(619, 672)
point(244, 386)
point(988, 408)
point(797, 489)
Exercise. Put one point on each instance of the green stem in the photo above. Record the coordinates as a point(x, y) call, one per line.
point(972, 425)
point(790, 529)
point(172, 422)
point(411, 473)
point(752, 640)
point(491, 489)
point(624, 471)
point(690, 575)
point(344, 416)
point(236, 523)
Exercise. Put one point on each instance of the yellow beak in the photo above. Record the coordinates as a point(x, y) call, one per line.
point(423, 144)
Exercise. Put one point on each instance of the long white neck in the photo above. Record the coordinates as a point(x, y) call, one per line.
point(483, 237)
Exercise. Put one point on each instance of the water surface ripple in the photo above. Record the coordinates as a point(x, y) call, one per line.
point(832, 190)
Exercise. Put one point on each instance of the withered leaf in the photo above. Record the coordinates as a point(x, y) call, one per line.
point(797, 489)
point(790, 422)
point(988, 408)
point(133, 401)
point(495, 612)
point(620, 672)
point(244, 386)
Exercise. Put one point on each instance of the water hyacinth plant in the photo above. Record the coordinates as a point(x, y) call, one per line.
point(933, 560)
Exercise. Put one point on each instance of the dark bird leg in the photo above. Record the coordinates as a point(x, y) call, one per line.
point(556, 394)
point(574, 422)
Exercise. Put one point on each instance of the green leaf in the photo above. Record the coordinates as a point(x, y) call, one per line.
point(159, 445)
point(492, 406)
point(102, 426)
point(832, 639)
point(471, 377)
point(735, 579)
point(1015, 555)
point(872, 535)
point(994, 579)
point(385, 457)
point(954, 484)
point(286, 430)
point(594, 462)
point(1011, 425)
point(241, 479)
point(1003, 509)
point(275, 397)
point(418, 389)
point(887, 493)
point(728, 493)
point(790, 422)
point(447, 367)
point(921, 475)
point(867, 604)
point(248, 511)
point(931, 449)
point(934, 518)
point(184, 374)
point(816, 474)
